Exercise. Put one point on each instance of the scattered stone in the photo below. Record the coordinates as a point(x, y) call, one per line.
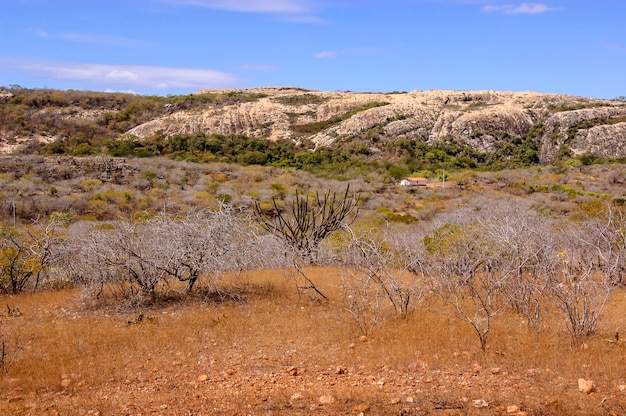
point(341, 370)
point(479, 403)
point(394, 400)
point(586, 386)
point(512, 408)
point(203, 377)
point(65, 382)
point(532, 372)
point(496, 370)
point(362, 338)
point(231, 372)
point(326, 399)
point(292, 371)
point(476, 369)
point(621, 388)
point(409, 399)
point(296, 396)
point(360, 409)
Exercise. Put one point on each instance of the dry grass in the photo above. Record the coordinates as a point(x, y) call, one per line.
point(234, 354)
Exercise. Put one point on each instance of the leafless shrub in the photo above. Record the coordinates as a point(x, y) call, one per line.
point(365, 303)
point(466, 272)
point(378, 279)
point(26, 255)
point(135, 259)
point(603, 232)
point(11, 349)
point(524, 243)
point(579, 293)
point(376, 255)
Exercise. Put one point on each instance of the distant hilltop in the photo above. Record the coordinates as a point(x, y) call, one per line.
point(487, 121)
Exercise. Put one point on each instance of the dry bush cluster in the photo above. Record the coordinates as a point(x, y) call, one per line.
point(481, 260)
point(270, 350)
point(498, 274)
point(495, 263)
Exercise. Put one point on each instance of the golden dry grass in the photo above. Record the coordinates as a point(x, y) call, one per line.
point(239, 354)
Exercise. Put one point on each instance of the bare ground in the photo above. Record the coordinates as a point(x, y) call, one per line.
point(279, 357)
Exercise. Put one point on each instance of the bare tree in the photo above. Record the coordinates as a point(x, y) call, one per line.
point(524, 243)
point(208, 242)
point(378, 278)
point(120, 256)
point(374, 255)
point(26, 255)
point(579, 293)
point(604, 233)
point(464, 272)
point(135, 258)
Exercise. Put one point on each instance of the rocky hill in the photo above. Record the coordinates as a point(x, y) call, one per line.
point(556, 124)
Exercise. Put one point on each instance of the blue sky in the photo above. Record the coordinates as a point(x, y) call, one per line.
point(166, 47)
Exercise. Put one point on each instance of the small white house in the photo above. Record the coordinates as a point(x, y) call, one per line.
point(414, 182)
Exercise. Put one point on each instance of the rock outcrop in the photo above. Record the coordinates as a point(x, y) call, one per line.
point(477, 118)
point(602, 140)
point(554, 124)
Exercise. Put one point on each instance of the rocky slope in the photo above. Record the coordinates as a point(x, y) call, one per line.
point(477, 118)
point(556, 124)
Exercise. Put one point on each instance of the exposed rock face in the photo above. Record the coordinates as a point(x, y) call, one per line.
point(477, 118)
point(602, 140)
point(5, 95)
point(480, 119)
point(476, 128)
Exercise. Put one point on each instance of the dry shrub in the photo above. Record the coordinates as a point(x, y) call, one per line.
point(87, 358)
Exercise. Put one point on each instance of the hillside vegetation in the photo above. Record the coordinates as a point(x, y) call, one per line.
point(151, 263)
point(281, 126)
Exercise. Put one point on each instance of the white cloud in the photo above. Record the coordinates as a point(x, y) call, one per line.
point(523, 8)
point(291, 11)
point(140, 77)
point(252, 6)
point(125, 91)
point(325, 54)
